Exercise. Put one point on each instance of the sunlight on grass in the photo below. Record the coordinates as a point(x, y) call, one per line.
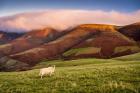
point(76, 76)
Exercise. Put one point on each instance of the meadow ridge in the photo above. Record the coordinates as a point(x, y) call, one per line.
point(76, 76)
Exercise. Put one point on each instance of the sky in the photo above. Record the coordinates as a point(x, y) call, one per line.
point(26, 15)
point(9, 7)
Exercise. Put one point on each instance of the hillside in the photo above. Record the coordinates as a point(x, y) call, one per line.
point(55, 48)
point(75, 76)
point(83, 41)
point(100, 37)
point(109, 43)
point(29, 40)
point(6, 37)
point(132, 57)
point(132, 31)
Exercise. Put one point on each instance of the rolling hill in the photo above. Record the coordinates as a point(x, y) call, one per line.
point(132, 57)
point(29, 40)
point(55, 48)
point(6, 37)
point(83, 41)
point(109, 43)
point(132, 31)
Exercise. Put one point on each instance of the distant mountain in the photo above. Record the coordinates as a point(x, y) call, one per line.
point(132, 31)
point(29, 40)
point(100, 41)
point(83, 41)
point(6, 37)
point(55, 48)
point(109, 43)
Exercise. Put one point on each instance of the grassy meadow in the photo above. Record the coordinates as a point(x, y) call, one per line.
point(76, 76)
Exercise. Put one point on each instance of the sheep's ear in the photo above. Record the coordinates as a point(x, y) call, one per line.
point(53, 65)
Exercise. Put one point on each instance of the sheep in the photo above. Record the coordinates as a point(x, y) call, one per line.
point(47, 71)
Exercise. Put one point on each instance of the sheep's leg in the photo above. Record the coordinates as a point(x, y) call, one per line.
point(50, 74)
point(41, 76)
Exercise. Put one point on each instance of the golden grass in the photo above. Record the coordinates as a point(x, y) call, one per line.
point(125, 48)
point(101, 27)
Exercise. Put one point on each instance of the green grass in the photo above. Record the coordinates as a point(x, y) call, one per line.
point(132, 57)
point(78, 51)
point(76, 76)
point(125, 48)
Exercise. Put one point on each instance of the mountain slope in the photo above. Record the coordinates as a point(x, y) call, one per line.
point(106, 42)
point(132, 31)
point(83, 41)
point(55, 48)
point(29, 40)
point(6, 37)
point(109, 43)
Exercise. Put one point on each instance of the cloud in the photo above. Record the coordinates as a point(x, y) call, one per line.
point(63, 19)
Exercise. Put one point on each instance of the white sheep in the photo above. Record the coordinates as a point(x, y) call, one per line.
point(47, 71)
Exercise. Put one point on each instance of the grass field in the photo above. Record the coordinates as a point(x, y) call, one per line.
point(79, 51)
point(76, 76)
point(133, 57)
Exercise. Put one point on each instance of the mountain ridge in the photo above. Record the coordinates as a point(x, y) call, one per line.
point(83, 41)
